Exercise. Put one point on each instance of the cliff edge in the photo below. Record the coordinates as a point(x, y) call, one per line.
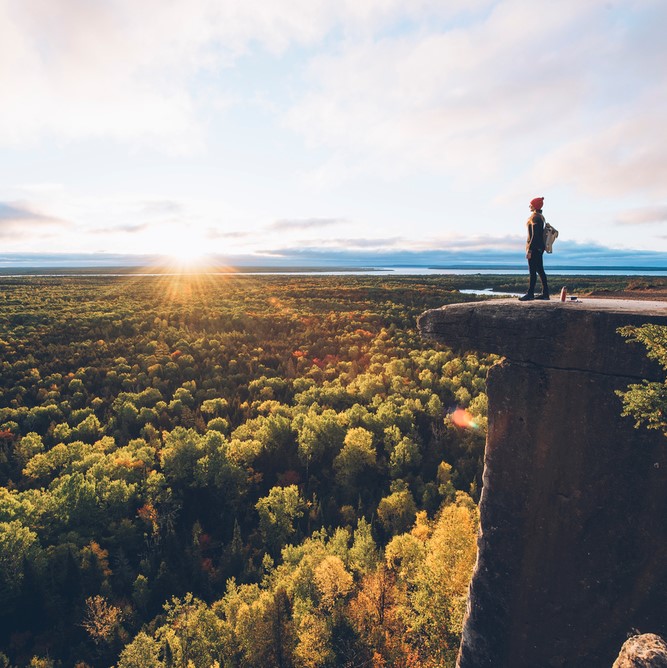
point(573, 539)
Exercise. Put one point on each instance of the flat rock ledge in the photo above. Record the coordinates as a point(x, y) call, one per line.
point(566, 335)
point(572, 549)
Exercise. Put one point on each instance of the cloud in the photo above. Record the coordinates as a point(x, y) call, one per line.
point(40, 188)
point(450, 243)
point(357, 242)
point(130, 228)
point(570, 255)
point(117, 69)
point(304, 223)
point(138, 70)
point(509, 242)
point(19, 221)
point(621, 158)
point(161, 208)
point(17, 212)
point(73, 260)
point(215, 233)
point(644, 216)
point(490, 99)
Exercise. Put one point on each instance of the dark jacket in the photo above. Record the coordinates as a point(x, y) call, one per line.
point(535, 225)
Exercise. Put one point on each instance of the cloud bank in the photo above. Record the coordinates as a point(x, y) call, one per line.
point(570, 255)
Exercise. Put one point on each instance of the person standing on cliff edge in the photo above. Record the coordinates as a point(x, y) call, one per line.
point(535, 250)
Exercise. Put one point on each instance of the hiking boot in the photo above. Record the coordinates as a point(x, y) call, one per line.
point(544, 297)
point(527, 297)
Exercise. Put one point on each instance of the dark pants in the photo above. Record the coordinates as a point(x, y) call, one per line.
point(536, 266)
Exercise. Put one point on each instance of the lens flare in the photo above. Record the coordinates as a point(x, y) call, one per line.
point(461, 418)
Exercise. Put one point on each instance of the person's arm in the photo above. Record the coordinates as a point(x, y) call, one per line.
point(531, 236)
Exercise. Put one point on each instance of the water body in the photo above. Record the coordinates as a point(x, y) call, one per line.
point(338, 271)
point(490, 292)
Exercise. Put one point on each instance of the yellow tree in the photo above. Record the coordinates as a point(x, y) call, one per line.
point(313, 649)
point(101, 619)
point(333, 581)
point(375, 616)
point(440, 583)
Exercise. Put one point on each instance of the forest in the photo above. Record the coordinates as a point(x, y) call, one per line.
point(235, 471)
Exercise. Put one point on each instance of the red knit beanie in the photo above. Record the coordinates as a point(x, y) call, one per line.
point(537, 203)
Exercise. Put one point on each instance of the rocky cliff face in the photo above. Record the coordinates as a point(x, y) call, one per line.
point(573, 538)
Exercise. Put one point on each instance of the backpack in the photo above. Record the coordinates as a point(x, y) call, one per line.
point(550, 235)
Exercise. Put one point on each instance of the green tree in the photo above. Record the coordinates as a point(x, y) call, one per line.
point(193, 634)
point(278, 514)
point(404, 457)
point(182, 450)
point(357, 456)
point(17, 543)
point(318, 433)
point(363, 553)
point(397, 511)
point(647, 401)
point(142, 652)
point(30, 445)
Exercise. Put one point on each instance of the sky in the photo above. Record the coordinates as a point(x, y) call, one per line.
point(315, 131)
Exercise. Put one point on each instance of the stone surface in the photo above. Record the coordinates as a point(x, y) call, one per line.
point(644, 651)
point(572, 335)
point(573, 538)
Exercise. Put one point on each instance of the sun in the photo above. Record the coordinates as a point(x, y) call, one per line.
point(188, 253)
point(183, 248)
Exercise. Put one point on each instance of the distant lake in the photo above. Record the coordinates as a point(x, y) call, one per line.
point(565, 270)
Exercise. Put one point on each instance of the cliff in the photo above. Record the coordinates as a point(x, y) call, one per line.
point(573, 538)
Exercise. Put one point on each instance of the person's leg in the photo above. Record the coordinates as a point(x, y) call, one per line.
point(539, 269)
point(533, 279)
